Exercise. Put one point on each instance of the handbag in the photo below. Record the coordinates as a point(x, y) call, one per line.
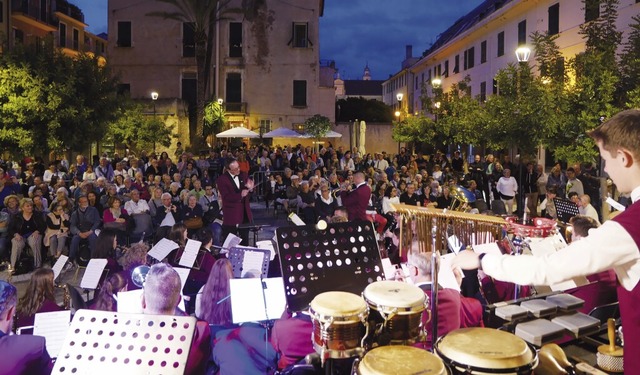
point(194, 223)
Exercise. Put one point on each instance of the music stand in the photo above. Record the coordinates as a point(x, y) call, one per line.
point(249, 261)
point(125, 343)
point(344, 257)
point(565, 209)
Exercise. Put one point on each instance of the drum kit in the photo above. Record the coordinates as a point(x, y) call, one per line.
point(376, 330)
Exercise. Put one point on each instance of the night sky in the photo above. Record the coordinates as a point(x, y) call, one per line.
point(356, 32)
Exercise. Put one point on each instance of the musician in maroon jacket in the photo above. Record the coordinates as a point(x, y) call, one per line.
point(234, 187)
point(355, 198)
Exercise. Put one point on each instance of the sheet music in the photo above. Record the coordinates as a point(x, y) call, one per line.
point(267, 245)
point(489, 248)
point(168, 220)
point(190, 253)
point(53, 326)
point(446, 277)
point(93, 273)
point(487, 236)
point(162, 249)
point(388, 269)
point(454, 243)
point(247, 300)
point(130, 302)
point(252, 262)
point(57, 268)
point(184, 275)
point(296, 219)
point(231, 241)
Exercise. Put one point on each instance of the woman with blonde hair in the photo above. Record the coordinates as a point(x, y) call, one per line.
point(57, 230)
point(26, 228)
point(38, 298)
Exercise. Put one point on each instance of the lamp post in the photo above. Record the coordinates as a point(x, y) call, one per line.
point(154, 98)
point(522, 55)
point(398, 112)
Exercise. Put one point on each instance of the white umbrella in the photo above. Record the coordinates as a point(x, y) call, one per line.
point(363, 131)
point(330, 134)
point(282, 133)
point(239, 132)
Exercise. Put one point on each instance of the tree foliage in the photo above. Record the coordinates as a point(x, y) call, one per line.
point(317, 126)
point(214, 118)
point(140, 130)
point(369, 110)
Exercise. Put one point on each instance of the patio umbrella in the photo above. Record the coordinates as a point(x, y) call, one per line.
point(239, 132)
point(330, 134)
point(363, 131)
point(282, 133)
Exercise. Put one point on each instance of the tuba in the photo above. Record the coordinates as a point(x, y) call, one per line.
point(461, 198)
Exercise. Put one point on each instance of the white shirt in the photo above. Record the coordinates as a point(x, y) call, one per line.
point(136, 208)
point(607, 247)
point(589, 211)
point(236, 180)
point(386, 204)
point(507, 186)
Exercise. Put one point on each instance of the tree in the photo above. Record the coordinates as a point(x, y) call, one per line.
point(418, 129)
point(369, 110)
point(139, 130)
point(202, 16)
point(214, 118)
point(630, 67)
point(317, 126)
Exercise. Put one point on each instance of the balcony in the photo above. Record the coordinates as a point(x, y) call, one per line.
point(233, 108)
point(33, 15)
point(70, 10)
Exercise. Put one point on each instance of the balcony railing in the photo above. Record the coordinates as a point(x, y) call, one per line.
point(70, 10)
point(34, 11)
point(235, 107)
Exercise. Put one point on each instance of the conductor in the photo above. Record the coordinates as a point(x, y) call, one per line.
point(234, 187)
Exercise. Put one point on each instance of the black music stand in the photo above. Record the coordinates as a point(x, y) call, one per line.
point(239, 255)
point(565, 209)
point(344, 257)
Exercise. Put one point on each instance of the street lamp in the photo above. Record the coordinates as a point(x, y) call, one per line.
point(399, 97)
point(522, 55)
point(436, 82)
point(154, 98)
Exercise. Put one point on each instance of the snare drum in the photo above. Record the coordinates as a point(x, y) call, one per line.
point(393, 360)
point(396, 310)
point(486, 351)
point(339, 324)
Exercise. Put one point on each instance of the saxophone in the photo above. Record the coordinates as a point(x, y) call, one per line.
point(66, 296)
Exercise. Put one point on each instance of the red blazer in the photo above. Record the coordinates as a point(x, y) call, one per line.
point(291, 337)
point(470, 313)
point(356, 202)
point(234, 206)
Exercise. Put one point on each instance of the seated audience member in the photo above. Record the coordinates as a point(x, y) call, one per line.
point(138, 210)
point(116, 217)
point(192, 214)
point(55, 236)
point(84, 222)
point(106, 299)
point(454, 310)
point(306, 203)
point(26, 228)
point(166, 216)
point(602, 287)
point(325, 204)
point(547, 207)
point(290, 338)
point(38, 298)
point(161, 296)
point(587, 209)
point(19, 354)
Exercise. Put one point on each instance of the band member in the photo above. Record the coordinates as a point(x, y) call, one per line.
point(355, 198)
point(235, 187)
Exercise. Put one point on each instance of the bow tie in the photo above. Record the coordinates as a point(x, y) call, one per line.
point(236, 177)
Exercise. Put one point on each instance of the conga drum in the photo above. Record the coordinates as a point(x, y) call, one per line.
point(339, 324)
point(486, 351)
point(391, 360)
point(396, 311)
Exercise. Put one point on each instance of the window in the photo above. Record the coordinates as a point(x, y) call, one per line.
point(500, 43)
point(299, 35)
point(299, 93)
point(469, 58)
point(124, 34)
point(62, 30)
point(1, 11)
point(235, 39)
point(446, 69)
point(554, 19)
point(76, 39)
point(188, 39)
point(18, 36)
point(483, 91)
point(456, 65)
point(234, 88)
point(439, 71)
point(265, 126)
point(522, 33)
point(483, 52)
point(495, 87)
point(124, 89)
point(591, 10)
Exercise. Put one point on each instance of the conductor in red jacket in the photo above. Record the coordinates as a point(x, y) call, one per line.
point(234, 187)
point(355, 198)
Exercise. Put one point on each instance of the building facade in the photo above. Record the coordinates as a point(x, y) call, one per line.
point(265, 63)
point(484, 41)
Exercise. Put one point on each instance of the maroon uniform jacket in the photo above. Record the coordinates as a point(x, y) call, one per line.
point(449, 308)
point(291, 337)
point(234, 206)
point(356, 202)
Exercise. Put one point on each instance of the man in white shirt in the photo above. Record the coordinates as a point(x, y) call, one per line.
point(141, 214)
point(587, 209)
point(380, 164)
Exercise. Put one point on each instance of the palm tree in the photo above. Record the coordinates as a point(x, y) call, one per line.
point(202, 15)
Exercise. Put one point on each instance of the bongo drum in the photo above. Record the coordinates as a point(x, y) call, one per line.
point(486, 351)
point(339, 324)
point(391, 360)
point(396, 310)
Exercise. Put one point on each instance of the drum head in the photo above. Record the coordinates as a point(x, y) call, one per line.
point(337, 304)
point(485, 348)
point(394, 294)
point(400, 360)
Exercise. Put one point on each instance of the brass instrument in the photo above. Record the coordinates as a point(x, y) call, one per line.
point(66, 297)
point(461, 198)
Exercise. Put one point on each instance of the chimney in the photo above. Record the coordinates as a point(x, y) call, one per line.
point(409, 53)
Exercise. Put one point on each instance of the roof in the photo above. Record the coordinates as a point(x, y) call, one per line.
point(363, 88)
point(466, 22)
